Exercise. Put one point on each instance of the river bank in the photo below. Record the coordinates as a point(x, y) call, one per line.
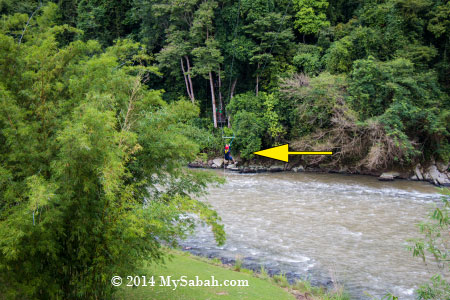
point(436, 173)
point(247, 284)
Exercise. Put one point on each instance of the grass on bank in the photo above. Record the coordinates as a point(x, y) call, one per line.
point(260, 285)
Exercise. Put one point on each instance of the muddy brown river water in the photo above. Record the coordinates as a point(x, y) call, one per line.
point(324, 227)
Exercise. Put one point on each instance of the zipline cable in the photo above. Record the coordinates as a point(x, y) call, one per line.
point(278, 32)
point(236, 24)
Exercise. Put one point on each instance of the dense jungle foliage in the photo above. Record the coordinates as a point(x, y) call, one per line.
point(369, 80)
point(92, 176)
point(103, 102)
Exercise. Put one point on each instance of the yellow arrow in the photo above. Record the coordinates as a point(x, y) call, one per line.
point(282, 153)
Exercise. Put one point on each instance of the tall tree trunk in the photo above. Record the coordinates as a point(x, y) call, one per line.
point(189, 78)
point(213, 99)
point(185, 80)
point(233, 86)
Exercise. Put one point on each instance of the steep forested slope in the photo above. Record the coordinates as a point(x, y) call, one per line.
point(375, 84)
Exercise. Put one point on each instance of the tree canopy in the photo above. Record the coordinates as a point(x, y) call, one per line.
point(92, 167)
point(103, 103)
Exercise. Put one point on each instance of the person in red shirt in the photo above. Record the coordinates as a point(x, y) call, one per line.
point(227, 153)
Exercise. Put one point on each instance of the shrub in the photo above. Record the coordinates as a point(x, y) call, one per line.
point(281, 280)
point(257, 122)
point(435, 243)
point(238, 263)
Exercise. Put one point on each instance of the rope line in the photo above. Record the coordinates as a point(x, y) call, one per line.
point(236, 24)
point(279, 29)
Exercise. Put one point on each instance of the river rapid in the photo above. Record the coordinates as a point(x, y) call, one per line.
point(324, 227)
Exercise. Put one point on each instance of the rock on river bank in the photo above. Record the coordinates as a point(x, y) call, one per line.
point(437, 173)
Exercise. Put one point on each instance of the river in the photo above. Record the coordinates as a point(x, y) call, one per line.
point(324, 227)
